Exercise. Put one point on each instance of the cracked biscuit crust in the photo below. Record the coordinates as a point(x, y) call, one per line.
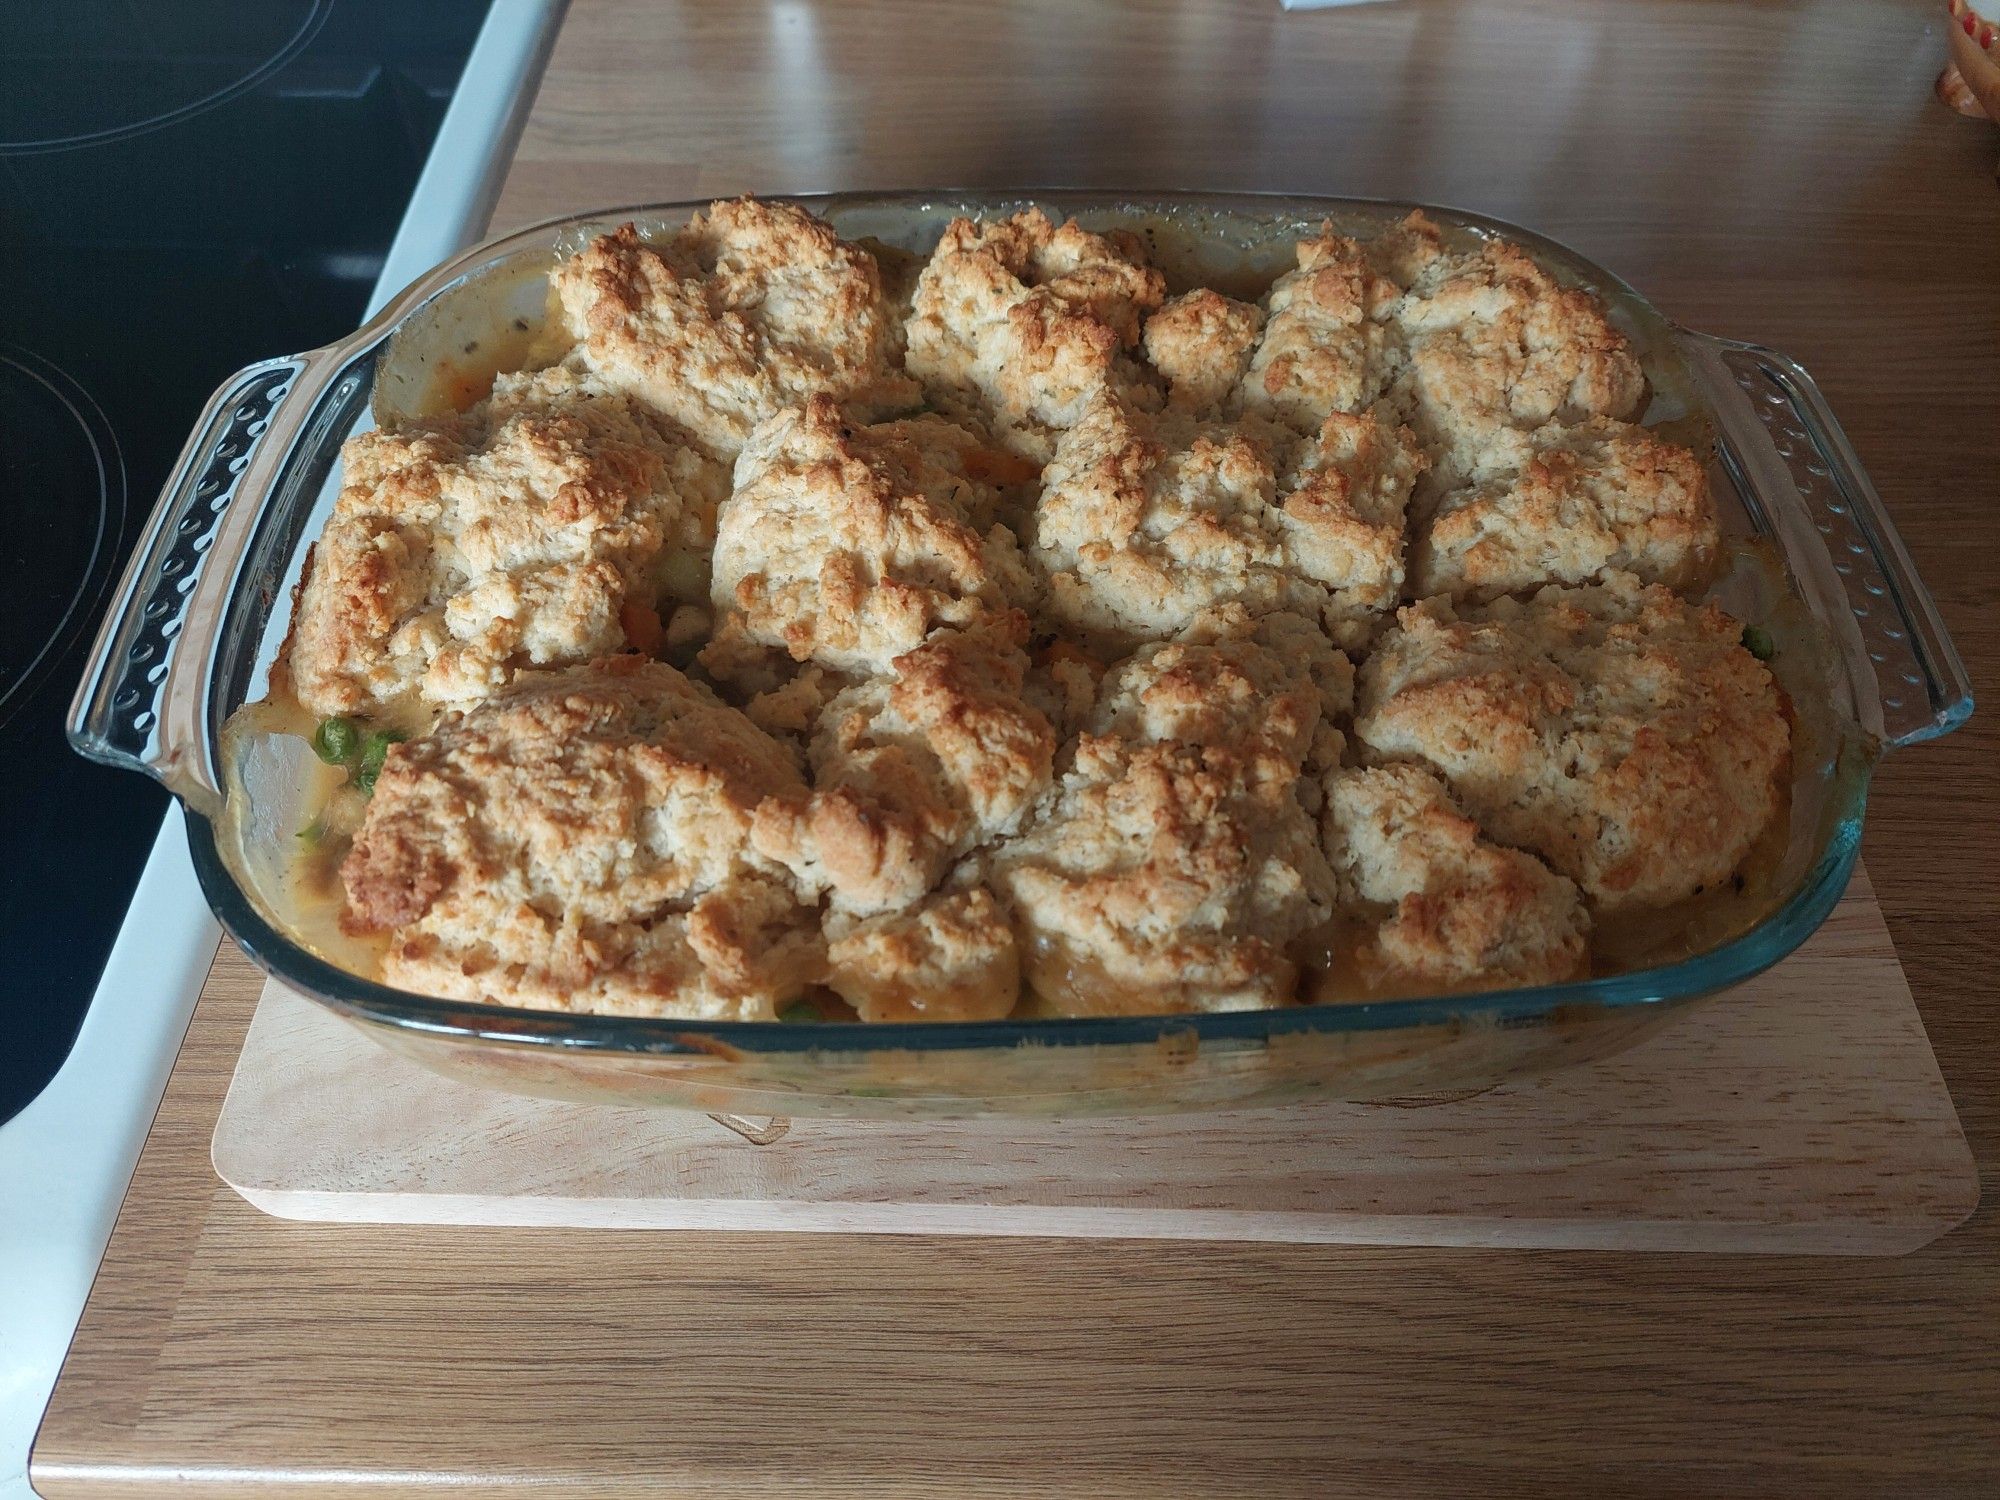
point(847, 545)
point(542, 528)
point(1308, 656)
point(751, 308)
point(1599, 497)
point(1345, 515)
point(951, 957)
point(1019, 322)
point(583, 843)
point(1174, 866)
point(1329, 345)
point(1619, 732)
point(1145, 520)
point(913, 770)
point(1496, 348)
point(1443, 906)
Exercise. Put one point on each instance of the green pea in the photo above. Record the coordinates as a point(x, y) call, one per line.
point(374, 750)
point(336, 741)
point(797, 1011)
point(1757, 641)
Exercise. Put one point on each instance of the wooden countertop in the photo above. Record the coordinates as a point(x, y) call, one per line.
point(1774, 173)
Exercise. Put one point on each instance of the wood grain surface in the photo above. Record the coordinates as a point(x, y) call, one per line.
point(1800, 1113)
point(1774, 172)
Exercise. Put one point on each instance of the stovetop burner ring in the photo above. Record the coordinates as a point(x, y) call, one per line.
point(301, 37)
point(62, 518)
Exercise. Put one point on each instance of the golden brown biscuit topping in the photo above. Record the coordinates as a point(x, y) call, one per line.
point(847, 545)
point(1593, 499)
point(1174, 866)
point(1328, 346)
point(1442, 906)
point(1146, 519)
point(1201, 343)
point(1018, 323)
point(751, 308)
point(1048, 690)
point(949, 957)
point(914, 770)
point(1621, 733)
point(582, 842)
point(523, 534)
point(1496, 348)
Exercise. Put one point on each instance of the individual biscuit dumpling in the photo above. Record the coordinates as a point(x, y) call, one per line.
point(752, 307)
point(1201, 342)
point(914, 769)
point(680, 572)
point(582, 843)
point(1146, 519)
point(847, 545)
point(1173, 867)
point(546, 526)
point(1344, 515)
point(1598, 497)
point(951, 957)
point(1621, 733)
point(1442, 906)
point(1017, 322)
point(1406, 251)
point(1295, 640)
point(1329, 345)
point(1496, 348)
point(1309, 655)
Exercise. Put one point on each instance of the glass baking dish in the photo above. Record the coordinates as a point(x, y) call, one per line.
point(200, 617)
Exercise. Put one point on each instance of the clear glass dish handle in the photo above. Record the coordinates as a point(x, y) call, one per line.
point(1796, 469)
point(144, 702)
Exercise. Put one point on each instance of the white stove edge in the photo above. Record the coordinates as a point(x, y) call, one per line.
point(66, 1159)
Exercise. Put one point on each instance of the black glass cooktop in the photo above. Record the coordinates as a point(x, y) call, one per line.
point(184, 188)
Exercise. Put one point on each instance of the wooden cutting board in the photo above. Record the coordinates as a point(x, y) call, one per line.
point(1801, 1113)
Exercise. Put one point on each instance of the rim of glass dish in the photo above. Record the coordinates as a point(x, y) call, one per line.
point(1742, 957)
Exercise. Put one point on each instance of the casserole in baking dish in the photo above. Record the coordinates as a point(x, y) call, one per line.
point(1052, 679)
